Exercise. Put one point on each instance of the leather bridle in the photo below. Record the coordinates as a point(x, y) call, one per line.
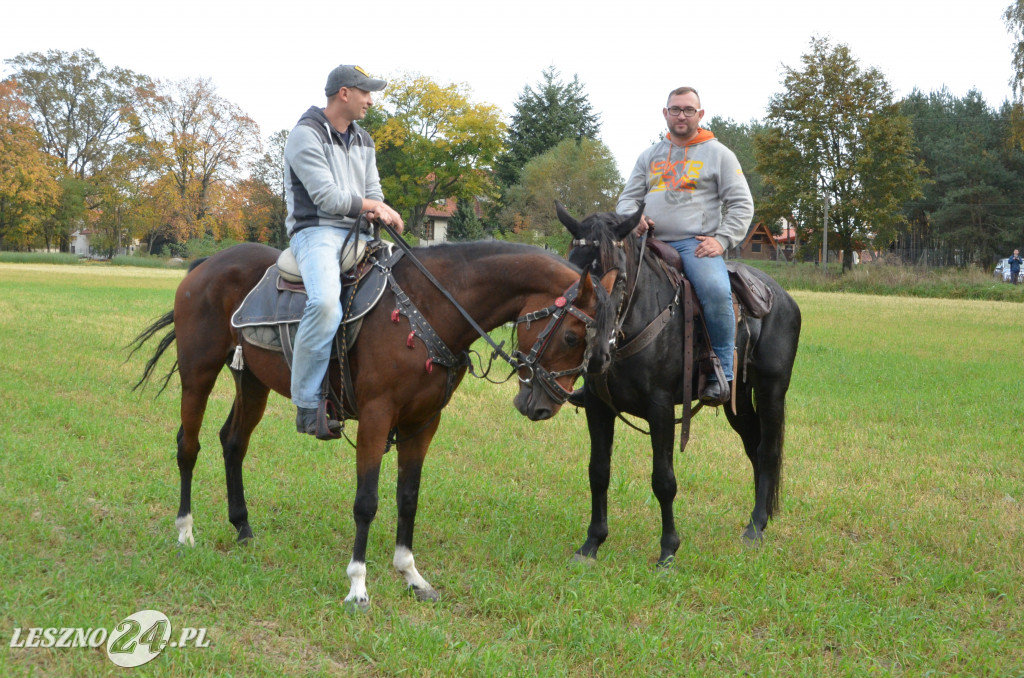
point(563, 306)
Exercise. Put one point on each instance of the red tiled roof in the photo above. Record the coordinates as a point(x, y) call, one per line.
point(447, 211)
point(788, 235)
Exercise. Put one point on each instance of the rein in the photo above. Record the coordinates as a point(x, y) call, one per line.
point(638, 342)
point(404, 246)
point(563, 305)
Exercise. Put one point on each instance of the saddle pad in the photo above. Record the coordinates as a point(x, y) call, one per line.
point(268, 337)
point(274, 303)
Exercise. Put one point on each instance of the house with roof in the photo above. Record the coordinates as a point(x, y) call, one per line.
point(82, 242)
point(761, 244)
point(435, 221)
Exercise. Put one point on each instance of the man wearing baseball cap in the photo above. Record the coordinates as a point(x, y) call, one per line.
point(330, 178)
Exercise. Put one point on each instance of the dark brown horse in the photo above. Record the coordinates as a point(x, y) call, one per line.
point(394, 391)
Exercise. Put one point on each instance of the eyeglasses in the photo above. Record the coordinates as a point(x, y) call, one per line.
point(688, 112)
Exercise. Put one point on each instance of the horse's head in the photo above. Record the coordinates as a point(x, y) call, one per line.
point(597, 240)
point(597, 246)
point(563, 336)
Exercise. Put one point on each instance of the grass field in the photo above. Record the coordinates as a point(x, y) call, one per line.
point(899, 549)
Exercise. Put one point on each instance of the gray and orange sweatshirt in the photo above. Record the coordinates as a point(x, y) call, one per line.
point(690, 190)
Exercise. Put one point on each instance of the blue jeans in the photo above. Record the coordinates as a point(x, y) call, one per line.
point(317, 251)
point(710, 281)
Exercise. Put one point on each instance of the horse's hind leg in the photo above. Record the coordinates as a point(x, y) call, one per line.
point(196, 385)
point(748, 425)
point(762, 433)
point(411, 454)
point(246, 412)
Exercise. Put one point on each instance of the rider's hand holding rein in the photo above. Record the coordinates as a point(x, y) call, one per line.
point(645, 225)
point(380, 211)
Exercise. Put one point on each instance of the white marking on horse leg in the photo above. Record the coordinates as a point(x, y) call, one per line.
point(357, 584)
point(405, 563)
point(184, 525)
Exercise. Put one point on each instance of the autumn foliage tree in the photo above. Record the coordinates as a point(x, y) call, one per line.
point(204, 143)
point(28, 176)
point(89, 118)
point(432, 143)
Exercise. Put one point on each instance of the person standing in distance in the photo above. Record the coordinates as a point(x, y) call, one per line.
point(1015, 262)
point(330, 178)
point(698, 199)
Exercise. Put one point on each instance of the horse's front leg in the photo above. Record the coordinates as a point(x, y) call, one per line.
point(411, 453)
point(601, 426)
point(661, 418)
point(370, 443)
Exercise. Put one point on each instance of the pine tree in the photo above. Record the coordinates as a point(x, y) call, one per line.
point(544, 116)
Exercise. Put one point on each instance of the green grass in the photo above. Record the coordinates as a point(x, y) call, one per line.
point(883, 279)
point(39, 258)
point(899, 549)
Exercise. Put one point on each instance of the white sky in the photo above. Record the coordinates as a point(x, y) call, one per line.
point(272, 59)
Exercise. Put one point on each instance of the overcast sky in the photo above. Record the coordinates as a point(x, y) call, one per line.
point(272, 59)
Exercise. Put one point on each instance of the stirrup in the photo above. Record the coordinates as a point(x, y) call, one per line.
point(326, 428)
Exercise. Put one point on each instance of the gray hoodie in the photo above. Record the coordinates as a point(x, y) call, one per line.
point(326, 176)
point(686, 187)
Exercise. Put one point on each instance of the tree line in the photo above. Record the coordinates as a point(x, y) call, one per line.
point(932, 178)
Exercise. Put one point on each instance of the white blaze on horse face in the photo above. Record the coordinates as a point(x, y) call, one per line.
point(184, 525)
point(357, 583)
point(406, 566)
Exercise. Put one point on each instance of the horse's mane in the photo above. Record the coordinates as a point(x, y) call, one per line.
point(477, 249)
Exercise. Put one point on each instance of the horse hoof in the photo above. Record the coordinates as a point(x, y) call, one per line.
point(666, 562)
point(244, 534)
point(429, 595)
point(581, 559)
point(357, 606)
point(752, 537)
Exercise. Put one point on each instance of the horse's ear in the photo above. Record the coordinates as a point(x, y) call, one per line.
point(626, 226)
point(608, 280)
point(570, 224)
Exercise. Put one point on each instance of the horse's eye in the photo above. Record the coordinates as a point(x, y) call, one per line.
point(571, 339)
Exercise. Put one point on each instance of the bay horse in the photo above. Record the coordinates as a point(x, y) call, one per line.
point(395, 387)
point(649, 383)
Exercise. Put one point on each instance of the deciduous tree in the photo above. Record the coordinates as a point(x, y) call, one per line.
point(205, 142)
point(28, 175)
point(265, 203)
point(581, 174)
point(835, 133)
point(433, 143)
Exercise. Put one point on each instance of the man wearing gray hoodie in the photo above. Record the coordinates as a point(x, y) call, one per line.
point(698, 201)
point(330, 178)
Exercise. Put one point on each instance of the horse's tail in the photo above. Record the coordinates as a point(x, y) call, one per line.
point(166, 320)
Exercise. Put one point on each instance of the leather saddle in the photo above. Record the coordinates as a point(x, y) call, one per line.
point(269, 316)
point(749, 292)
point(751, 298)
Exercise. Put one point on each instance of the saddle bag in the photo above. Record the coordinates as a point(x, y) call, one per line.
point(752, 292)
